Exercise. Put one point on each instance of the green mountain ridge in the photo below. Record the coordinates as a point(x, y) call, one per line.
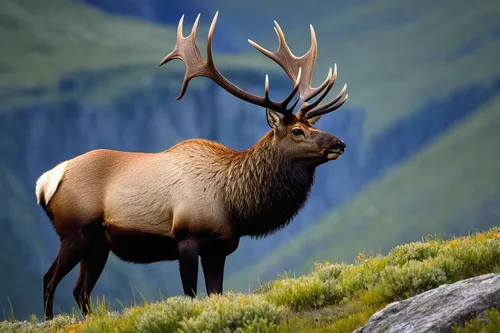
point(450, 185)
point(47, 41)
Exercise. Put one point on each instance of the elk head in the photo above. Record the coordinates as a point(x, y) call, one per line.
point(293, 134)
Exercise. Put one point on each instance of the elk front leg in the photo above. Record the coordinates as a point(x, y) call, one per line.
point(213, 269)
point(188, 265)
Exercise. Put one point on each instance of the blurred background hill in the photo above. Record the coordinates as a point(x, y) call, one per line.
point(421, 124)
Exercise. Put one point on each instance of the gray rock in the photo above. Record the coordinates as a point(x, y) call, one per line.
point(438, 309)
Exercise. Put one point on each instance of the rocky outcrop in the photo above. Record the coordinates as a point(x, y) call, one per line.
point(437, 310)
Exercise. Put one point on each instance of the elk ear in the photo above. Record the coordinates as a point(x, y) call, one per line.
point(274, 119)
point(313, 120)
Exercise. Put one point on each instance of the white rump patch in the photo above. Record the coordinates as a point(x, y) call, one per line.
point(48, 182)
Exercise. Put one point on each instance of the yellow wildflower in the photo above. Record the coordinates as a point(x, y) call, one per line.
point(242, 300)
point(480, 237)
point(73, 328)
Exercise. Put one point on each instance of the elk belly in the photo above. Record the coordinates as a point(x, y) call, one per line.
point(140, 247)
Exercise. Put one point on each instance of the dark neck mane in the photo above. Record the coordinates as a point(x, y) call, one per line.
point(264, 190)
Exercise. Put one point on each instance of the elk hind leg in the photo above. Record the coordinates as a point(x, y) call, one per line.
point(70, 253)
point(91, 268)
point(46, 280)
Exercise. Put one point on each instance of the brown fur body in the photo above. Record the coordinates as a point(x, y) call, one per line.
point(199, 187)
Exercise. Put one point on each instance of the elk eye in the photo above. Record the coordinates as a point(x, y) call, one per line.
point(297, 131)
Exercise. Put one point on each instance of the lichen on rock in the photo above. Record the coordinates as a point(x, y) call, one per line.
point(437, 310)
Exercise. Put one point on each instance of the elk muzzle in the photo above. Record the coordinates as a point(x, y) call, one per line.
point(335, 148)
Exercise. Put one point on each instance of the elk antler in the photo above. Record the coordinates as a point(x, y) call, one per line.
point(292, 65)
point(187, 51)
point(299, 70)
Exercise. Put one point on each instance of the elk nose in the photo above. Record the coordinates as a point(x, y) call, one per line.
point(340, 144)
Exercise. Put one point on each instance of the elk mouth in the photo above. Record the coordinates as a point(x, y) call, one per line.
point(332, 154)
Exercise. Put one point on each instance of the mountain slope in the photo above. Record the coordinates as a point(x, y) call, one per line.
point(44, 42)
point(451, 186)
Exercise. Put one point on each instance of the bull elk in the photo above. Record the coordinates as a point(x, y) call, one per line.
point(197, 198)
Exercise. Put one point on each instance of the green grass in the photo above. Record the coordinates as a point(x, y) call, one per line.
point(335, 297)
point(394, 55)
point(452, 184)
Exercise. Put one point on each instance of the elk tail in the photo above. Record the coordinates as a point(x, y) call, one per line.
point(47, 184)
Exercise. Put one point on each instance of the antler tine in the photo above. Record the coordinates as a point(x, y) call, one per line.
point(195, 26)
point(179, 28)
point(287, 110)
point(296, 87)
point(329, 81)
point(210, 58)
point(331, 106)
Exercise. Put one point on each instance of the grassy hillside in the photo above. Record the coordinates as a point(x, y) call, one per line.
point(333, 298)
point(394, 55)
point(451, 185)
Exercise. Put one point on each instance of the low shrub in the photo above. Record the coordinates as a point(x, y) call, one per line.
point(304, 293)
point(412, 278)
point(489, 323)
